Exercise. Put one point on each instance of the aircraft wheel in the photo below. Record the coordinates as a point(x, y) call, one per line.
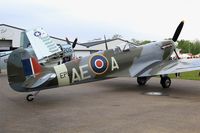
point(141, 80)
point(165, 82)
point(30, 97)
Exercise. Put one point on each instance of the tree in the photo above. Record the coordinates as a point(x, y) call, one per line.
point(187, 46)
point(115, 36)
point(140, 42)
point(196, 47)
point(144, 42)
point(135, 41)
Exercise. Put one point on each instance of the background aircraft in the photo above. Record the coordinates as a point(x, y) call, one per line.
point(47, 52)
point(3, 59)
point(44, 49)
point(25, 74)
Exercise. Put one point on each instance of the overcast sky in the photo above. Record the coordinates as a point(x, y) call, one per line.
point(89, 19)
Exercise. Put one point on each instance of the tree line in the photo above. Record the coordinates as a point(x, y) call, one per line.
point(187, 46)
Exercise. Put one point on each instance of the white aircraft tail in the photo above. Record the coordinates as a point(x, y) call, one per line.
point(42, 44)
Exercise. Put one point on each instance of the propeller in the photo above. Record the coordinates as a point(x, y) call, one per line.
point(67, 40)
point(176, 35)
point(178, 31)
point(73, 44)
point(106, 42)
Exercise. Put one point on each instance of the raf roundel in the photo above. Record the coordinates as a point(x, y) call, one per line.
point(99, 64)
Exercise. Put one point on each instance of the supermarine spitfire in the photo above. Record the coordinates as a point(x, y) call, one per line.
point(25, 74)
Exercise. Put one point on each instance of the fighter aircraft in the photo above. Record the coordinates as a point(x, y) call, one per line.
point(44, 49)
point(25, 74)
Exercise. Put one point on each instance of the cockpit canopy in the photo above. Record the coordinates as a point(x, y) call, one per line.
point(125, 47)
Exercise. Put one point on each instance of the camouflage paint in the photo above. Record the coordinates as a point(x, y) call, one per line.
point(144, 60)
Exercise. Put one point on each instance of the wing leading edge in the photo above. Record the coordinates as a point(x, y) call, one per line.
point(172, 66)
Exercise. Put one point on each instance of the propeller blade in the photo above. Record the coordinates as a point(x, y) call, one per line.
point(178, 31)
point(74, 43)
point(67, 40)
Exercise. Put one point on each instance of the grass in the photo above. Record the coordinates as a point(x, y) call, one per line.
point(194, 75)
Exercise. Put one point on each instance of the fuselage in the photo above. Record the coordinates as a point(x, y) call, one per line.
point(107, 64)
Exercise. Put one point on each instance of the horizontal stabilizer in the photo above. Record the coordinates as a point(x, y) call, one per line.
point(39, 80)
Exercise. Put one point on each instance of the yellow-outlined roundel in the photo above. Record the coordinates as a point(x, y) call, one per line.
point(98, 64)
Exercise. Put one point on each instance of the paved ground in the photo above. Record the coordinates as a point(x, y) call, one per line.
point(111, 106)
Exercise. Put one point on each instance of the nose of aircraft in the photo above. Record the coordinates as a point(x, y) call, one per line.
point(167, 44)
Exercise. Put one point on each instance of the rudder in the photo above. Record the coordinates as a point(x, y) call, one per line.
point(18, 69)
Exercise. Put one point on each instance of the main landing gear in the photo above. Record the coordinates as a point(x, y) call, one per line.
point(31, 97)
point(142, 80)
point(165, 81)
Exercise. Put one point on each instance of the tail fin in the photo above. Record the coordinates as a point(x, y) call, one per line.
point(20, 65)
point(31, 66)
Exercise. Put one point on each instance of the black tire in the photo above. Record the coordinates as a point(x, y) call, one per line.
point(29, 97)
point(142, 81)
point(165, 82)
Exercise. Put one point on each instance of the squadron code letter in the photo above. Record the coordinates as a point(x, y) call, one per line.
point(63, 75)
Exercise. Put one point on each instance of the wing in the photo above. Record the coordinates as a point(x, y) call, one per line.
point(39, 80)
point(172, 66)
point(41, 43)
